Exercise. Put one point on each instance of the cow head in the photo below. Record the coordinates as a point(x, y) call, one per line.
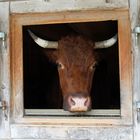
point(76, 60)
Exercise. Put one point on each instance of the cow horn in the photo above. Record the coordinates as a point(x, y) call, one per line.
point(106, 43)
point(43, 43)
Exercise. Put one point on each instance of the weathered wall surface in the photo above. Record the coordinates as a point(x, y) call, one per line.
point(73, 133)
point(135, 21)
point(4, 70)
point(55, 5)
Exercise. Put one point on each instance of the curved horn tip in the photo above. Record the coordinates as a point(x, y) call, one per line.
point(106, 43)
point(43, 43)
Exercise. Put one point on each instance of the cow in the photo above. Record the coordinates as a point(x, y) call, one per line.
point(76, 59)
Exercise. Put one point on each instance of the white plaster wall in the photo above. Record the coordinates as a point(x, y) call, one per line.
point(61, 5)
point(135, 21)
point(4, 71)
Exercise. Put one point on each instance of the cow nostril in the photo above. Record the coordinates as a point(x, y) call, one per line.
point(87, 101)
point(72, 101)
point(76, 101)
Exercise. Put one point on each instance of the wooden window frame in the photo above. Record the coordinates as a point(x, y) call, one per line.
point(125, 63)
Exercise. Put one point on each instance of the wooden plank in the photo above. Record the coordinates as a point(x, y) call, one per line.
point(69, 17)
point(125, 60)
point(16, 70)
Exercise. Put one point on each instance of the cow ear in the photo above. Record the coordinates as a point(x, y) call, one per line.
point(52, 55)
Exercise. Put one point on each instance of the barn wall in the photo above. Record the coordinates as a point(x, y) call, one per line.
point(20, 131)
point(55, 5)
point(135, 21)
point(72, 132)
point(4, 71)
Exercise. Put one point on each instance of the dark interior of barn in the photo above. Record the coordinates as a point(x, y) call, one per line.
point(41, 81)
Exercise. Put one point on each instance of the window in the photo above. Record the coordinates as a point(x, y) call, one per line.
point(27, 66)
point(42, 92)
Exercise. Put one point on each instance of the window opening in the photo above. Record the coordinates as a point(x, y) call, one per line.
point(42, 91)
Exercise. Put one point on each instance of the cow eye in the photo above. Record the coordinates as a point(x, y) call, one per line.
point(93, 66)
point(60, 65)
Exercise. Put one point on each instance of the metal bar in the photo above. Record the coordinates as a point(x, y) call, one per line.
point(2, 36)
point(61, 112)
point(137, 30)
point(3, 105)
point(138, 111)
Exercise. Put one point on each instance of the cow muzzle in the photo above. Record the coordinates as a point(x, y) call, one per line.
point(77, 103)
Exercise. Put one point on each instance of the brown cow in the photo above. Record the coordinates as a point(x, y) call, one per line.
point(76, 59)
